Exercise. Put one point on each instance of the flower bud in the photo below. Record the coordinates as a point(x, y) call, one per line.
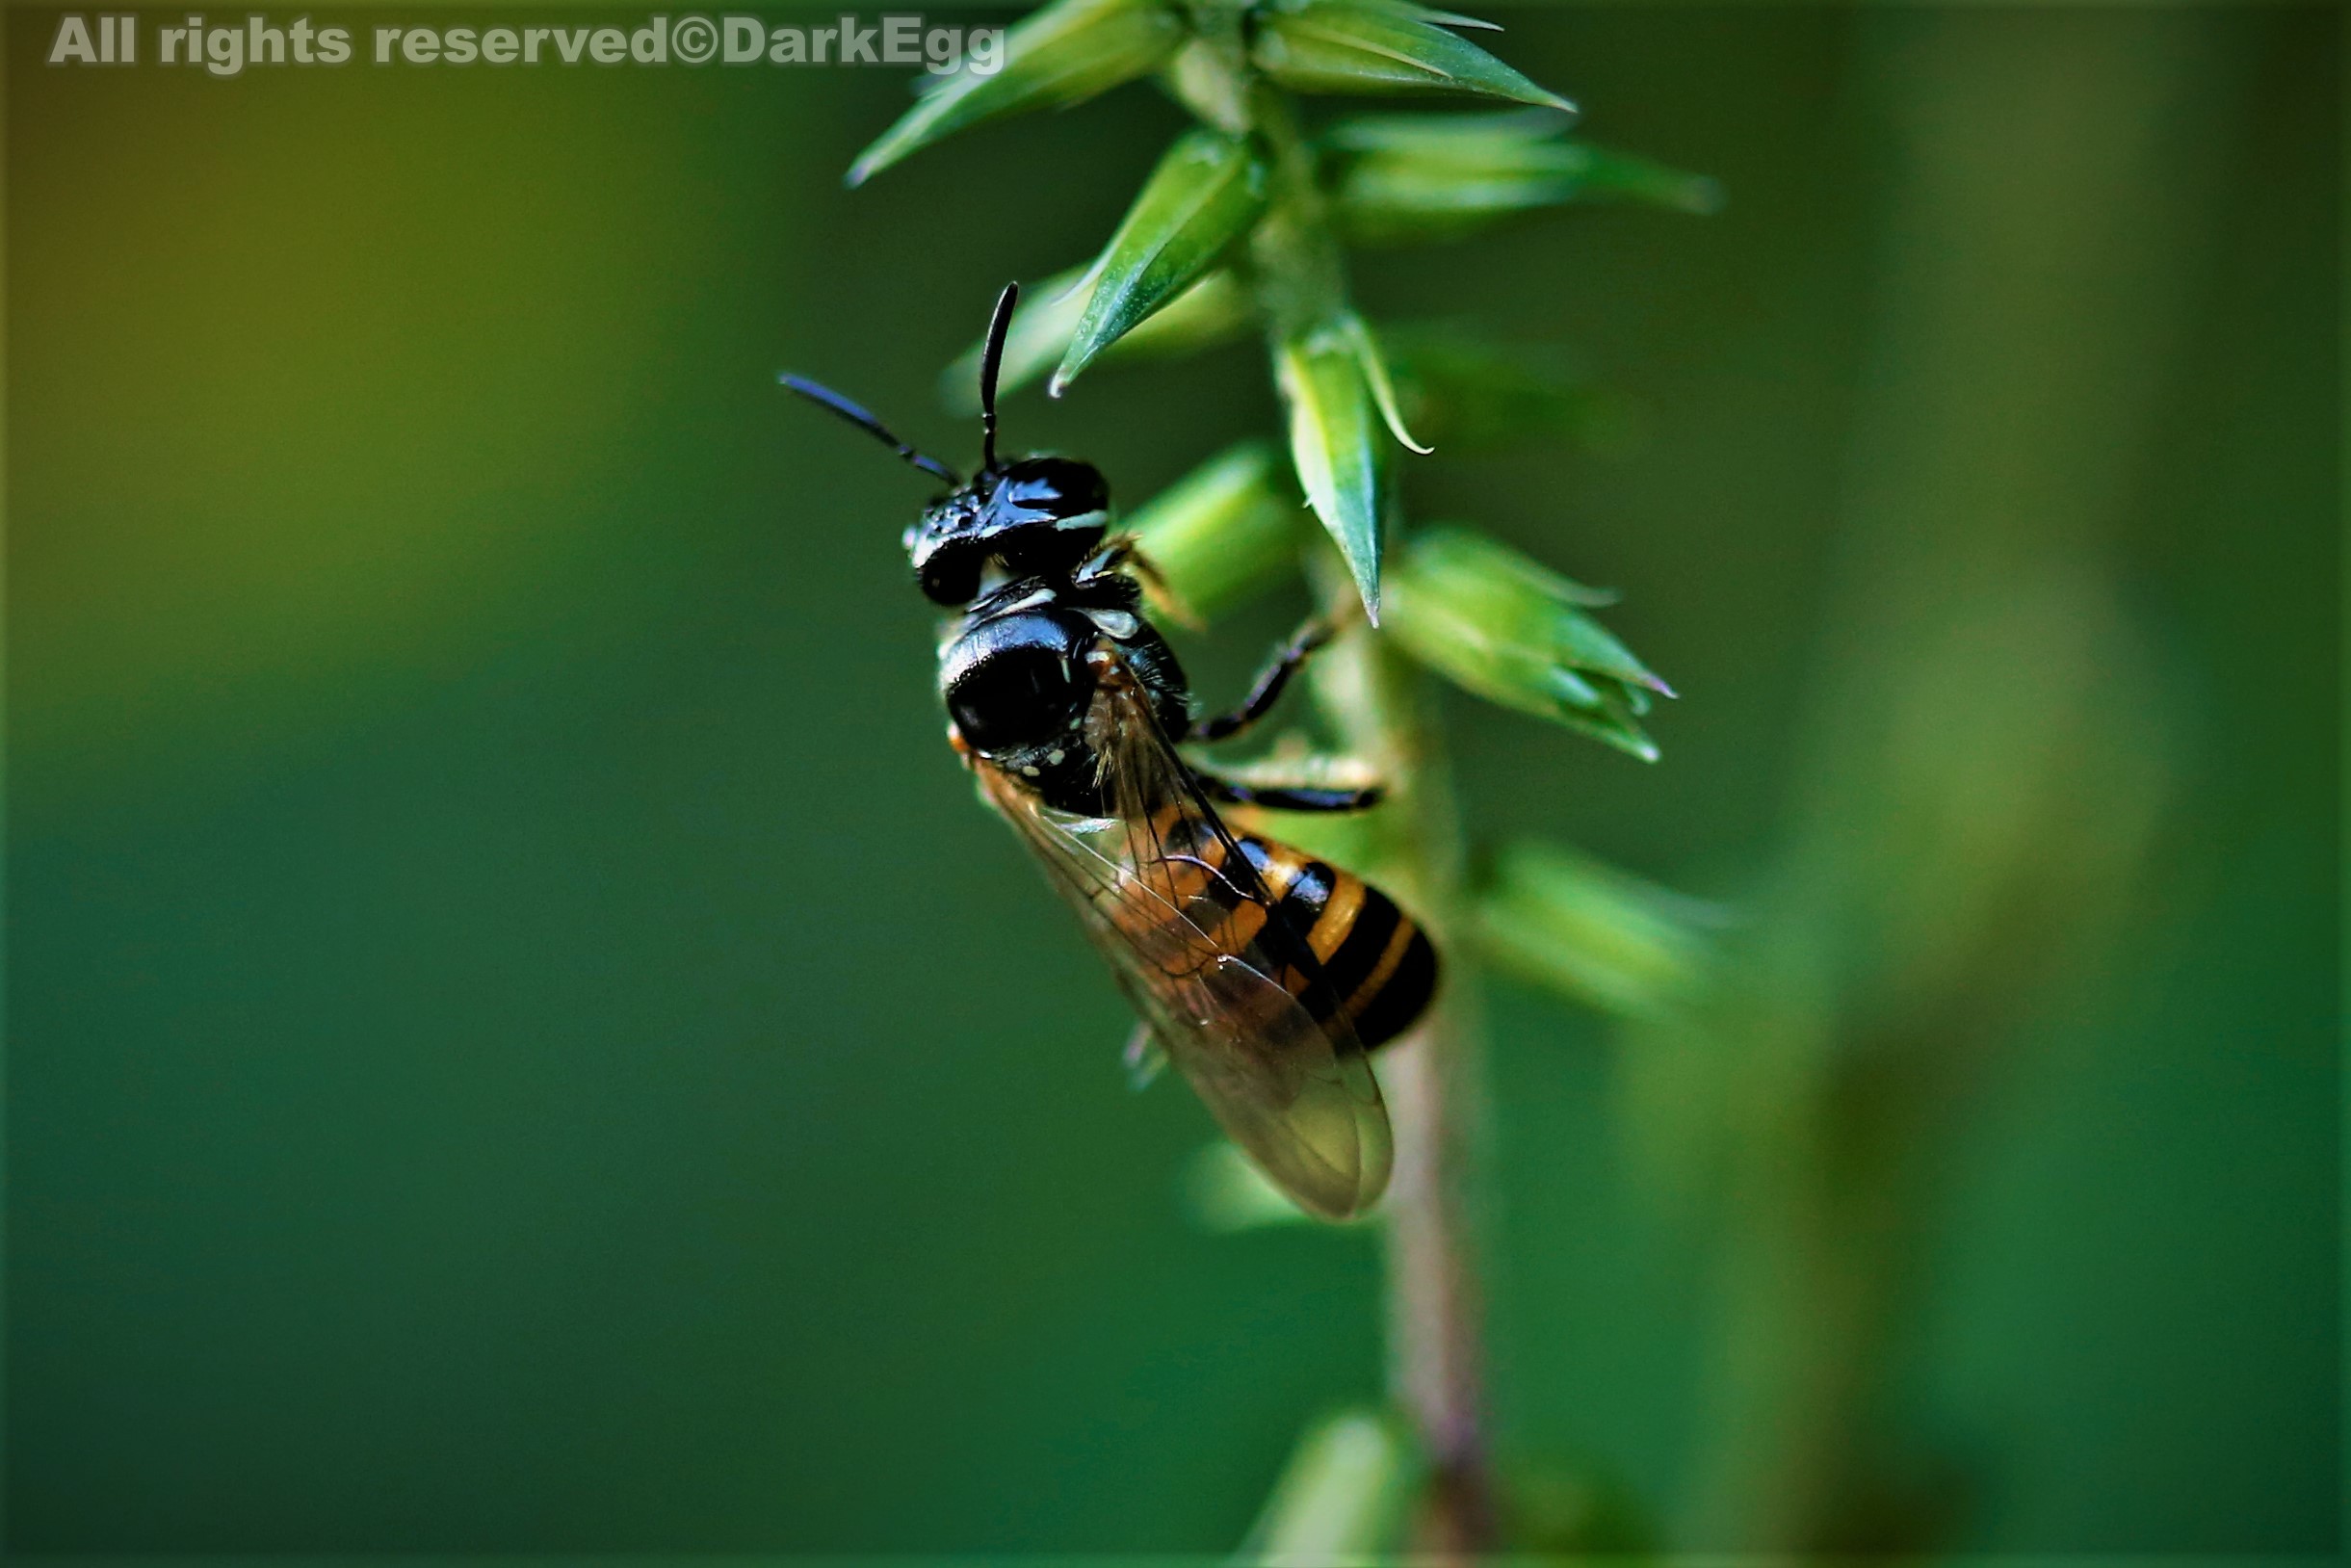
point(1498, 624)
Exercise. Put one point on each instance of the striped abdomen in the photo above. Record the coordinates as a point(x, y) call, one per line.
point(1380, 968)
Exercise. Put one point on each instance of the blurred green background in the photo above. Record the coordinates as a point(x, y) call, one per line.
point(520, 1038)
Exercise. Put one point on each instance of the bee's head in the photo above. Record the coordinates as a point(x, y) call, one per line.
point(1036, 516)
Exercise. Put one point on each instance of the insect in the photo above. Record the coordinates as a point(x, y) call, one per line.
point(1265, 975)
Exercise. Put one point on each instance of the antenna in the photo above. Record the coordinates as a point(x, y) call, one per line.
point(824, 397)
point(990, 362)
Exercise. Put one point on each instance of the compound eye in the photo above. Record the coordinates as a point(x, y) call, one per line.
point(1055, 486)
point(1020, 695)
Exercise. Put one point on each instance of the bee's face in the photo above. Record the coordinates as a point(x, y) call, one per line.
point(1039, 517)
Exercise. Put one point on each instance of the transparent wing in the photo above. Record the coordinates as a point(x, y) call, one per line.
point(1231, 991)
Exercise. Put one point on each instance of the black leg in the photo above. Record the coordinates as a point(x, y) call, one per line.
point(1287, 798)
point(1120, 556)
point(1268, 688)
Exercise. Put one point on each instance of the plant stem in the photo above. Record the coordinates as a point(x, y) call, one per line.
point(1297, 270)
point(1435, 1306)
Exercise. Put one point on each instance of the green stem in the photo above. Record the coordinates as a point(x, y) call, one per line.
point(1297, 271)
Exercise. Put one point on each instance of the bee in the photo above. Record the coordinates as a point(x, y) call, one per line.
point(1267, 976)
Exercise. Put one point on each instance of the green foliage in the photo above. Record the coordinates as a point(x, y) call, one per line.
point(1226, 532)
point(1592, 933)
point(1406, 178)
point(1214, 310)
point(1066, 53)
point(1205, 194)
point(1348, 46)
point(1338, 446)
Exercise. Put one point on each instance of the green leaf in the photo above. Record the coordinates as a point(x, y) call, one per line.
point(1374, 366)
point(1402, 178)
point(1516, 633)
point(1335, 444)
point(1223, 534)
point(1590, 932)
point(1205, 193)
point(1346, 47)
point(1345, 1495)
point(1062, 55)
point(1466, 394)
point(1215, 309)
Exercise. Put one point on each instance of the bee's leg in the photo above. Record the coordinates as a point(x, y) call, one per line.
point(1123, 553)
point(1288, 796)
point(1268, 690)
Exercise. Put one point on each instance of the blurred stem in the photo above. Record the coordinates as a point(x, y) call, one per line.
point(1436, 1363)
point(1982, 760)
point(1297, 272)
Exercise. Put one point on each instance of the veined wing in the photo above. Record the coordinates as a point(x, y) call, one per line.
point(1190, 917)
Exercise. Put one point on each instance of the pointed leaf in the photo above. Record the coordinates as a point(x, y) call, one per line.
point(1217, 309)
point(1402, 178)
point(1335, 443)
point(1062, 55)
point(1204, 194)
point(1383, 387)
point(1340, 46)
point(1214, 310)
point(1224, 532)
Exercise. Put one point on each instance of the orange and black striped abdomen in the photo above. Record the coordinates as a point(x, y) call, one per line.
point(1380, 969)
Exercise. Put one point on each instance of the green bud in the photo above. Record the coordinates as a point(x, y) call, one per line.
point(1064, 54)
point(1348, 46)
point(1337, 446)
point(1402, 178)
point(1516, 633)
point(1205, 193)
point(1590, 932)
point(1214, 310)
point(1226, 532)
point(1345, 1495)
